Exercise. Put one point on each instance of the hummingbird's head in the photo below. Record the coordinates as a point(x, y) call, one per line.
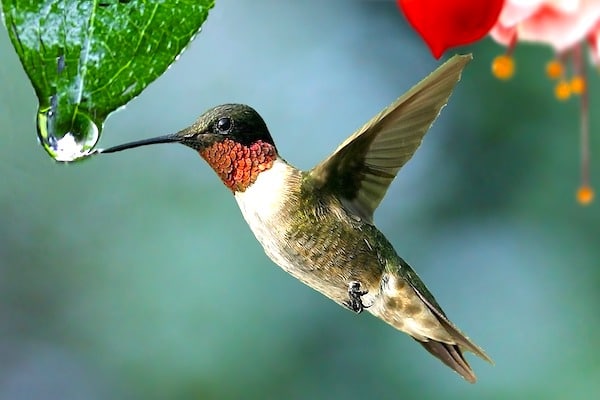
point(232, 138)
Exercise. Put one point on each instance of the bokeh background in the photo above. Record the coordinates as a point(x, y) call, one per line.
point(134, 276)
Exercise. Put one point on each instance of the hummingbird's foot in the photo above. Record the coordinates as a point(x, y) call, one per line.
point(354, 302)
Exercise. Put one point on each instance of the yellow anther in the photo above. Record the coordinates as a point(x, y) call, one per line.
point(554, 69)
point(503, 67)
point(585, 195)
point(562, 90)
point(577, 84)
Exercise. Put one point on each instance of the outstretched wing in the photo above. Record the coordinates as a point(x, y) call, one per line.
point(363, 166)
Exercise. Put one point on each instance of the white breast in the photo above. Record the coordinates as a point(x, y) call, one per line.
point(261, 203)
point(264, 198)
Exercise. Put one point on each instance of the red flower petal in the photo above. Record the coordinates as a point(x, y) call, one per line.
point(448, 23)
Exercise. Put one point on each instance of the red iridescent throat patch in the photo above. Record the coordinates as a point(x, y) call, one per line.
point(237, 165)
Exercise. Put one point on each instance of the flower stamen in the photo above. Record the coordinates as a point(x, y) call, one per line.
point(555, 69)
point(503, 66)
point(585, 194)
point(577, 85)
point(562, 90)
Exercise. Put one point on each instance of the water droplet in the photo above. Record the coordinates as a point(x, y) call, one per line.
point(66, 138)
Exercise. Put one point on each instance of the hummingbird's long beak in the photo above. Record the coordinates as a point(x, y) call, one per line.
point(172, 138)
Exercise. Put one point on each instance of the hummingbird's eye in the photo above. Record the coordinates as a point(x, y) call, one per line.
point(224, 125)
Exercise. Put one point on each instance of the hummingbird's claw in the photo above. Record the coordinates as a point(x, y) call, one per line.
point(354, 302)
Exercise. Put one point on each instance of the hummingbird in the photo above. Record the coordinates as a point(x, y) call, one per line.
point(318, 225)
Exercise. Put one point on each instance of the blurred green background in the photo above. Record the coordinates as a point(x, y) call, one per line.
point(134, 276)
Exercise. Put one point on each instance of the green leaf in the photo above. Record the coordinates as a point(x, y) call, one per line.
point(87, 58)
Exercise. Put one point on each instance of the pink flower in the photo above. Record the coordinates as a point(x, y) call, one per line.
point(567, 26)
point(562, 24)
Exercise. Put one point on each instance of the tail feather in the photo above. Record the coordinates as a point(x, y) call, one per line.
point(460, 338)
point(451, 355)
point(428, 325)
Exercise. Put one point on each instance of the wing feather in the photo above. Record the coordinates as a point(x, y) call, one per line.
point(363, 166)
